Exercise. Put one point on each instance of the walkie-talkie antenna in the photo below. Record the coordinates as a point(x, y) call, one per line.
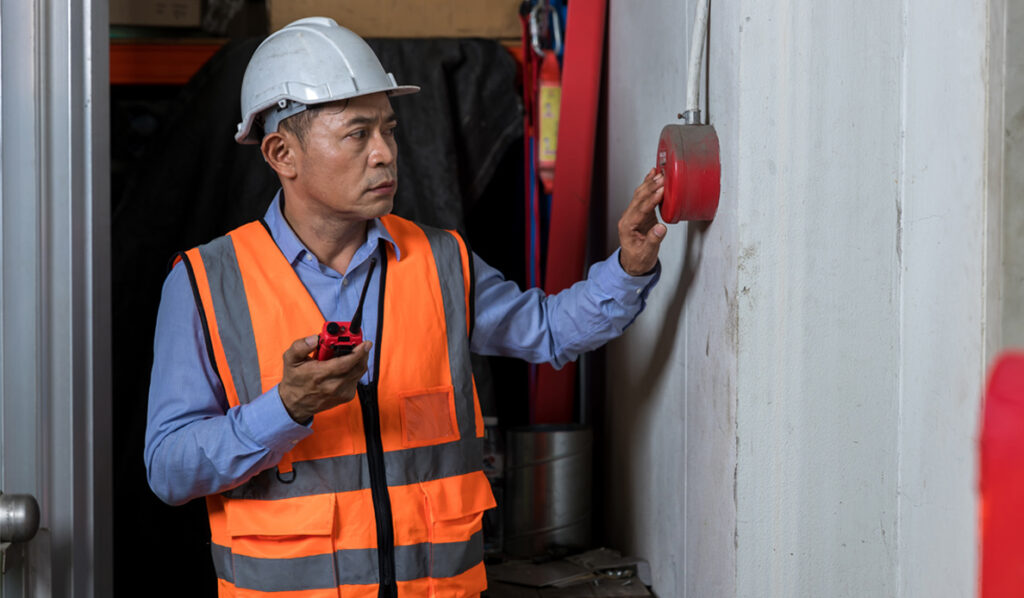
point(357, 319)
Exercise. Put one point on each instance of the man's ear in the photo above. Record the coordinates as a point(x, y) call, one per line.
point(279, 153)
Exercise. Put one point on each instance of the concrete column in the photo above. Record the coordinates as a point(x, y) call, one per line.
point(797, 408)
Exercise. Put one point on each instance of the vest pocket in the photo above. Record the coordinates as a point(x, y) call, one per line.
point(428, 417)
point(283, 545)
point(456, 507)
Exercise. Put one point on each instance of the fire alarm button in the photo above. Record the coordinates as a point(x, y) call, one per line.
point(688, 156)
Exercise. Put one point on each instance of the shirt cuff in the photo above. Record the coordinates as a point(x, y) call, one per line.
point(616, 282)
point(270, 425)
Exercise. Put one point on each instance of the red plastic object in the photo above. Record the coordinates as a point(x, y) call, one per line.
point(1002, 481)
point(689, 157)
point(337, 339)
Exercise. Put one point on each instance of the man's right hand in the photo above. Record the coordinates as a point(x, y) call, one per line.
point(310, 386)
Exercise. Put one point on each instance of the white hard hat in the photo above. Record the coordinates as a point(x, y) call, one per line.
point(310, 61)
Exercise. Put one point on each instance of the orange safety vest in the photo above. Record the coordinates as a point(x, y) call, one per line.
point(386, 497)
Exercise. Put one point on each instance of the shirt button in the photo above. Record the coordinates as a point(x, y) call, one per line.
point(309, 258)
point(344, 282)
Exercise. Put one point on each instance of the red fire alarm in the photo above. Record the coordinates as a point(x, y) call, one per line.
point(688, 156)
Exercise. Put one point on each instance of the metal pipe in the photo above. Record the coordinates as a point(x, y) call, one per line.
point(697, 42)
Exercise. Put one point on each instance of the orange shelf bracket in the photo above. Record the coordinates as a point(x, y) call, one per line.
point(158, 63)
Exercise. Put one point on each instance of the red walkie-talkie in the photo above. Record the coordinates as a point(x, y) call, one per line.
point(341, 338)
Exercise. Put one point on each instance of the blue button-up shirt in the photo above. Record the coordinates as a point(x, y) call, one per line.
point(196, 445)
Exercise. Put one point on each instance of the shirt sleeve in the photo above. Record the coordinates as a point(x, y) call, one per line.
point(195, 444)
point(556, 328)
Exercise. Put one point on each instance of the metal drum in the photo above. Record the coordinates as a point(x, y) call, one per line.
point(547, 489)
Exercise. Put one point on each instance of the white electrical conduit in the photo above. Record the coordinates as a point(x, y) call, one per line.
point(697, 42)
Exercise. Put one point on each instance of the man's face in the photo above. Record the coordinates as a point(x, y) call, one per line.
point(347, 166)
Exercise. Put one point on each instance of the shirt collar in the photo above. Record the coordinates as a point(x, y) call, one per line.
point(293, 248)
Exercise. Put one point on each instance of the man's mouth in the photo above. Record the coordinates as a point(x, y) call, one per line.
point(383, 186)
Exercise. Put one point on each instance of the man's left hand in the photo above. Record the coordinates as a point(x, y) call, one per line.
point(640, 233)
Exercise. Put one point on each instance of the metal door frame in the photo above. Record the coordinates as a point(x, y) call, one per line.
point(55, 386)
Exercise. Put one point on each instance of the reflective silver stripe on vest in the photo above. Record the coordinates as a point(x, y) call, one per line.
point(448, 258)
point(222, 562)
point(350, 472)
point(231, 309)
point(446, 559)
point(346, 567)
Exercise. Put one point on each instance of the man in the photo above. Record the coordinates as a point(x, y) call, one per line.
point(358, 475)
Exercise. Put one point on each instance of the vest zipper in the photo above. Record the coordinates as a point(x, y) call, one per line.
point(379, 490)
point(368, 401)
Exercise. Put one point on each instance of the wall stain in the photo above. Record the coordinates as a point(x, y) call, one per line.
point(1015, 128)
point(747, 255)
point(732, 325)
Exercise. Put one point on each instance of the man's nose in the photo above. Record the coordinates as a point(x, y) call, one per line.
point(382, 151)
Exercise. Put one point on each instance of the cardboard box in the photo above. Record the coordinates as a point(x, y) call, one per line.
point(156, 13)
point(497, 19)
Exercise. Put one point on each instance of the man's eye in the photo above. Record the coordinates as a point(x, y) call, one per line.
point(391, 131)
point(358, 134)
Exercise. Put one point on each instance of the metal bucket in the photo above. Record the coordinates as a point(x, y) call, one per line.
point(547, 489)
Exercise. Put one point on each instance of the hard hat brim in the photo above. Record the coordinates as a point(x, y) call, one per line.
point(245, 128)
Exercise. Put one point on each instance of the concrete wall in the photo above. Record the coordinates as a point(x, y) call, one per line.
point(797, 409)
point(672, 379)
